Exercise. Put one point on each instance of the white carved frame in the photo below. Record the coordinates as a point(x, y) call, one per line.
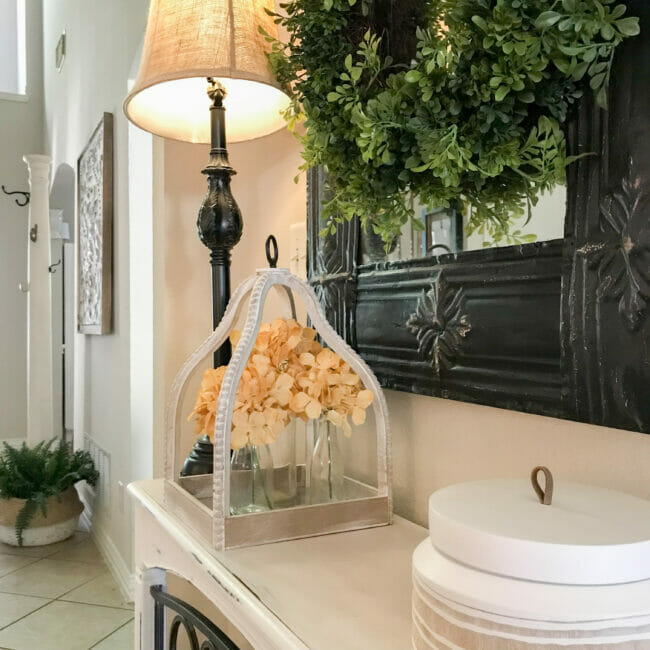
point(258, 286)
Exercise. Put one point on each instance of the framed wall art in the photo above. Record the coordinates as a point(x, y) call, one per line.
point(95, 230)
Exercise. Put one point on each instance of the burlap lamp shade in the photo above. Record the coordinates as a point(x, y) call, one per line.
point(189, 40)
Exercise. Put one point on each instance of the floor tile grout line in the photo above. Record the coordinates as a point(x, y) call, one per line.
point(81, 602)
point(117, 629)
point(61, 598)
point(65, 593)
point(41, 559)
point(20, 618)
point(81, 584)
point(24, 566)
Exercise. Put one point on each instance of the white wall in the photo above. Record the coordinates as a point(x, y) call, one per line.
point(21, 132)
point(102, 38)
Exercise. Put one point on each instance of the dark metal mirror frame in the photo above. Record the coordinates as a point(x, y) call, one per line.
point(558, 328)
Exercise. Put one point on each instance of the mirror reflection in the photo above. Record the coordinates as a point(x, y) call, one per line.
point(445, 230)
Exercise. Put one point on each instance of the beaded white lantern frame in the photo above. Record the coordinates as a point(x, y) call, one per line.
point(203, 502)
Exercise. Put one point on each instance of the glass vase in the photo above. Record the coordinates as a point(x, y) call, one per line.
point(327, 466)
point(251, 480)
point(283, 491)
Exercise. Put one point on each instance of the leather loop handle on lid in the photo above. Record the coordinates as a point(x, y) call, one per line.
point(545, 495)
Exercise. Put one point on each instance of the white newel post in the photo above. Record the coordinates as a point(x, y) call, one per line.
point(39, 304)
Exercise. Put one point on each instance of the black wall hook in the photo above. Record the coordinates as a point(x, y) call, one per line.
point(52, 267)
point(20, 202)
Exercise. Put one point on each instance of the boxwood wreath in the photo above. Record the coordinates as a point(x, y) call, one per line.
point(452, 101)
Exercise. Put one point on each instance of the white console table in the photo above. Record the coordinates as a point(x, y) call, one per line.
point(348, 590)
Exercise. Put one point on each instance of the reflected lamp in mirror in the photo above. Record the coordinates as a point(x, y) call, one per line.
point(200, 59)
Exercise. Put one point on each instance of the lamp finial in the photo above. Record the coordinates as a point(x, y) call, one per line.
point(216, 92)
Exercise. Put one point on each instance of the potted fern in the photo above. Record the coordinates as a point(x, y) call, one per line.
point(38, 501)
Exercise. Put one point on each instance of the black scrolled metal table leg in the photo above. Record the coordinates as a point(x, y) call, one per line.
point(159, 621)
point(190, 619)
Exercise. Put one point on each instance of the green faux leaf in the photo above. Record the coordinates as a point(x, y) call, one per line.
point(480, 22)
point(547, 19)
point(579, 71)
point(413, 76)
point(607, 32)
point(474, 116)
point(597, 81)
point(628, 26)
point(569, 50)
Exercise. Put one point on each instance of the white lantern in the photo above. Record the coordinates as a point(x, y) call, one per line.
point(203, 502)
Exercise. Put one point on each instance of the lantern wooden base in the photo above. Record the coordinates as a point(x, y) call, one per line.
point(190, 499)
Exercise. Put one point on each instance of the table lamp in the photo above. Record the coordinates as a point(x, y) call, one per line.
point(201, 57)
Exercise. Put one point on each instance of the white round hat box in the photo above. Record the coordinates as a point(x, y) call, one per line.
point(501, 570)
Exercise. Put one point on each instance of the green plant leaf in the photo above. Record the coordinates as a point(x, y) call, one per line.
point(413, 76)
point(628, 26)
point(547, 19)
point(480, 22)
point(597, 81)
point(473, 115)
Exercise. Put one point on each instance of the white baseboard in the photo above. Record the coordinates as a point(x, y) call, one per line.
point(107, 548)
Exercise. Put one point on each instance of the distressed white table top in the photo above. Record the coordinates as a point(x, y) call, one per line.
point(348, 590)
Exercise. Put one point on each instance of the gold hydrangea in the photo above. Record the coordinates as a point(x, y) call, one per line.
point(288, 374)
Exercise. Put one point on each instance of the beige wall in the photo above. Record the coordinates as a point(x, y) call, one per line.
point(436, 442)
point(21, 132)
point(270, 202)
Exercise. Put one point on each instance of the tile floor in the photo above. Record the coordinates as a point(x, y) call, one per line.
point(61, 597)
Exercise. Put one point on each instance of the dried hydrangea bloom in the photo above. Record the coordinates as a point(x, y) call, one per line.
point(205, 407)
point(288, 374)
point(331, 387)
